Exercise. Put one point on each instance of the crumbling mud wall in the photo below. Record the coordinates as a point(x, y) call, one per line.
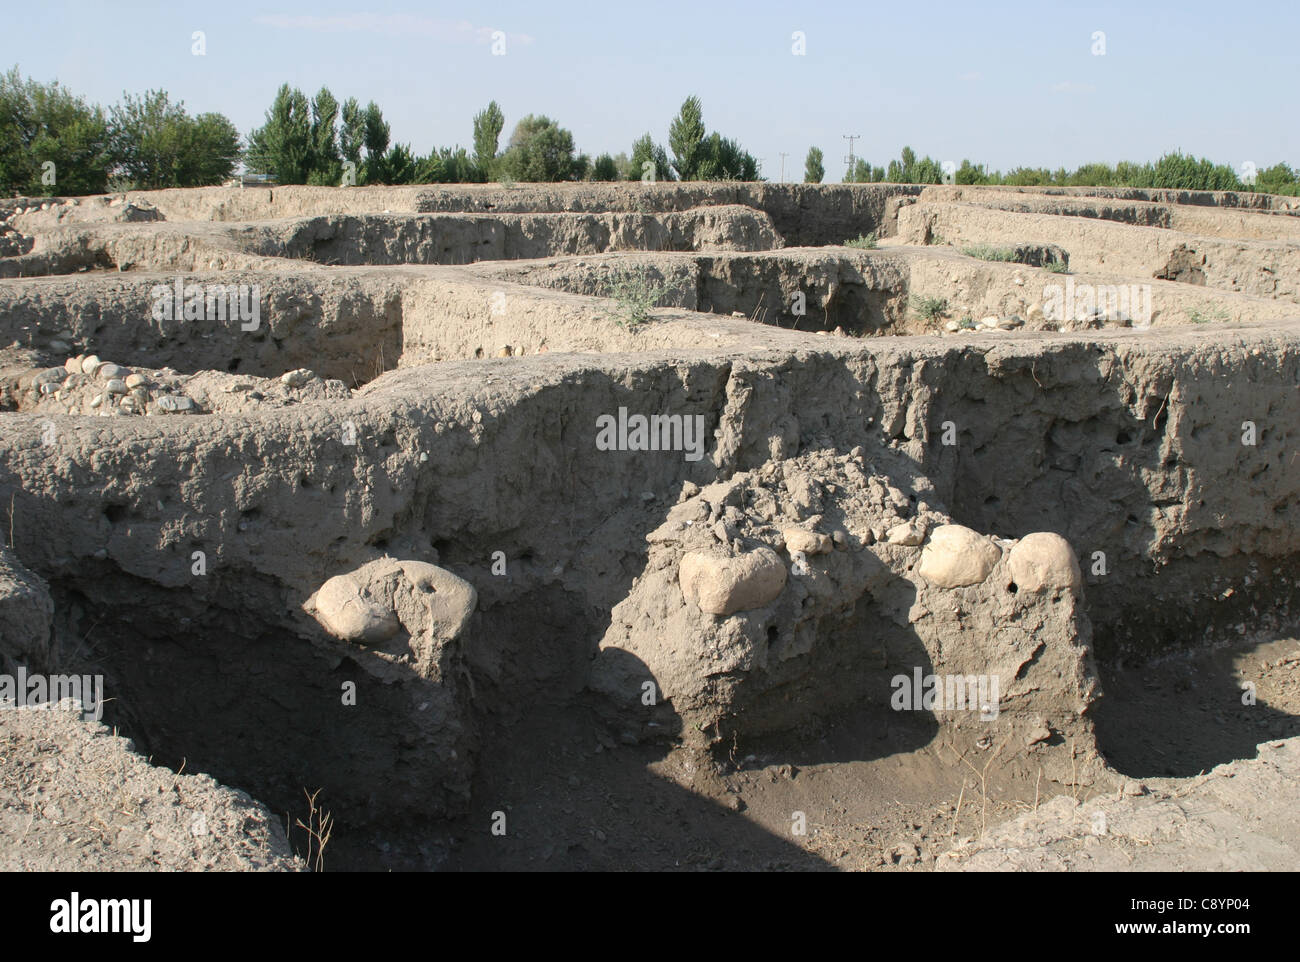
point(1260, 223)
point(343, 325)
point(1257, 267)
point(279, 503)
point(463, 238)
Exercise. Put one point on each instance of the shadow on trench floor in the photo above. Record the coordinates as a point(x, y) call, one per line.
point(869, 797)
point(1184, 713)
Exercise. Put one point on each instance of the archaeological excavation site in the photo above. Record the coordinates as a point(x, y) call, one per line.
point(680, 526)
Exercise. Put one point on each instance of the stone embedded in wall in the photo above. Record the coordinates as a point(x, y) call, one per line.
point(722, 585)
point(955, 557)
point(1043, 560)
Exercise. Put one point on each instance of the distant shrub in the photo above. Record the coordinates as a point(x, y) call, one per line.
point(866, 242)
point(1184, 172)
point(604, 169)
point(540, 151)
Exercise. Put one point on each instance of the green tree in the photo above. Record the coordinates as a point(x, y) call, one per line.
point(282, 146)
point(1093, 175)
point(720, 158)
point(1278, 179)
point(400, 165)
point(1180, 171)
point(375, 135)
point(860, 172)
point(908, 169)
point(926, 171)
point(487, 135)
point(813, 167)
point(1133, 175)
point(540, 151)
point(685, 136)
point(352, 130)
point(969, 173)
point(1028, 177)
point(326, 165)
point(157, 144)
point(448, 166)
point(646, 151)
point(604, 169)
point(902, 171)
point(45, 123)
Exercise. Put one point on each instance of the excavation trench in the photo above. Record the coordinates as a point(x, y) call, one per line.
point(249, 323)
point(1126, 446)
point(184, 554)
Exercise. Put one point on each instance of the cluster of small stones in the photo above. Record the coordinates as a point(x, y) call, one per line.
point(89, 385)
point(113, 389)
point(46, 206)
point(991, 323)
point(11, 238)
point(512, 350)
point(61, 206)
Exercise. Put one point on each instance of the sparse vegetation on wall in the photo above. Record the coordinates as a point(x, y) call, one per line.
point(929, 308)
point(635, 296)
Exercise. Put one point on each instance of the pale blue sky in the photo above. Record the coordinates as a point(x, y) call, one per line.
point(1000, 83)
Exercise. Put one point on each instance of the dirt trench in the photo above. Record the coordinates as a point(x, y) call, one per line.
point(186, 555)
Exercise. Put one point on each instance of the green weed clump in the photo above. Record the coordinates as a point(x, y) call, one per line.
point(866, 242)
point(929, 308)
point(635, 295)
point(987, 252)
point(1197, 316)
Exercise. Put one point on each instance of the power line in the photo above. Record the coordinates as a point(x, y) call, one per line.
point(850, 159)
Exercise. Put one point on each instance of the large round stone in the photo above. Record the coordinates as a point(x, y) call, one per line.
point(955, 556)
point(1043, 560)
point(451, 599)
point(346, 613)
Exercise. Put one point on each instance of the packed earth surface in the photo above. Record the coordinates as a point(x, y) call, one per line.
point(651, 526)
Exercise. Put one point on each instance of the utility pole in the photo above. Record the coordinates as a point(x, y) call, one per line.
point(850, 158)
point(784, 155)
